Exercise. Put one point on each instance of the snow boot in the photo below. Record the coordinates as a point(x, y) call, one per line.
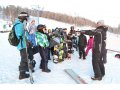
point(23, 75)
point(44, 67)
point(55, 61)
point(96, 78)
point(46, 70)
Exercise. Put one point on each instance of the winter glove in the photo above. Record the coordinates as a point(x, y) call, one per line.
point(29, 44)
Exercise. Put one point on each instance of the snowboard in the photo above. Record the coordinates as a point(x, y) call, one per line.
point(75, 76)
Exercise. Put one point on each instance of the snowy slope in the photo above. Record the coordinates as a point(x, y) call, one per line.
point(6, 23)
point(9, 62)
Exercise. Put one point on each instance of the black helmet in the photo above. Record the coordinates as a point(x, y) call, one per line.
point(23, 16)
point(41, 26)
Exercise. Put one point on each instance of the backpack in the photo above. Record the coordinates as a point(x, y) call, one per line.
point(12, 38)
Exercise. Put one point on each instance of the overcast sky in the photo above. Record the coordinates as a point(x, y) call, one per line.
point(108, 10)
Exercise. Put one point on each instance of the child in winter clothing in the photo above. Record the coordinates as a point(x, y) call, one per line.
point(32, 46)
point(43, 43)
point(82, 42)
point(89, 44)
point(32, 29)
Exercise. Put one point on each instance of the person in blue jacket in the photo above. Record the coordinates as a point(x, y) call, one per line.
point(20, 33)
point(32, 29)
point(32, 46)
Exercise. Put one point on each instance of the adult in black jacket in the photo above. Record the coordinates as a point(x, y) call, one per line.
point(82, 42)
point(104, 50)
point(97, 62)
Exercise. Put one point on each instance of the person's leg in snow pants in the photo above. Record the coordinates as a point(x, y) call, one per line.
point(44, 59)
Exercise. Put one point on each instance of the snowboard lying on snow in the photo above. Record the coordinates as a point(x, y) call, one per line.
point(76, 77)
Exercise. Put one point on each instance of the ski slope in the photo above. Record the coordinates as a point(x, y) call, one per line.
point(10, 59)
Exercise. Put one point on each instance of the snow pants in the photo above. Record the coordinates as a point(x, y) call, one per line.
point(104, 53)
point(44, 57)
point(23, 67)
point(82, 51)
point(31, 51)
point(98, 65)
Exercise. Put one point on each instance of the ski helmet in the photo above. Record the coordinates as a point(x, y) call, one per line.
point(40, 27)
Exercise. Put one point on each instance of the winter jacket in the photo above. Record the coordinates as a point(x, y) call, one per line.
point(20, 32)
point(103, 32)
point(32, 29)
point(82, 41)
point(42, 39)
point(31, 38)
point(90, 42)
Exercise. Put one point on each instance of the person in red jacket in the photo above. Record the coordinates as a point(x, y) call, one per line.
point(89, 44)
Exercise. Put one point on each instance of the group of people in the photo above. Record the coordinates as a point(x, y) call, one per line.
point(37, 39)
point(32, 40)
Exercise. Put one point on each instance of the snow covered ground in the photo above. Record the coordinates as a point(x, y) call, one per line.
point(4, 25)
point(10, 59)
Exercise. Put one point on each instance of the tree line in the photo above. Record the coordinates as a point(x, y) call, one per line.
point(11, 12)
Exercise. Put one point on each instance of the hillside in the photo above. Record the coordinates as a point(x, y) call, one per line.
point(11, 12)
